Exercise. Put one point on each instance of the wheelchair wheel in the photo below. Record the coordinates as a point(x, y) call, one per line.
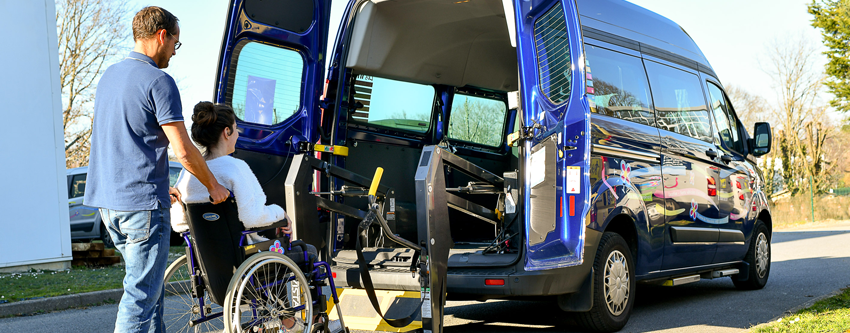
point(268, 292)
point(179, 307)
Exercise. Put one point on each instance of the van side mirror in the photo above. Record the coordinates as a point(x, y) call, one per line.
point(762, 140)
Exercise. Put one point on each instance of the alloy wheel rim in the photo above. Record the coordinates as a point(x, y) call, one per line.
point(762, 255)
point(617, 283)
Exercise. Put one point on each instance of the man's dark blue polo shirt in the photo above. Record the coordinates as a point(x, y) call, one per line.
point(128, 162)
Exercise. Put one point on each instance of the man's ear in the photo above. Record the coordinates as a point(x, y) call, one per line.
point(161, 36)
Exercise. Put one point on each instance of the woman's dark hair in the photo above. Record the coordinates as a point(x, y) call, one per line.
point(208, 120)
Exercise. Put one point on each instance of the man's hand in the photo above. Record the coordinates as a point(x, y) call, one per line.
point(175, 195)
point(192, 161)
point(218, 193)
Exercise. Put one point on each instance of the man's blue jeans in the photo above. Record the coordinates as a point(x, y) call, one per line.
point(142, 237)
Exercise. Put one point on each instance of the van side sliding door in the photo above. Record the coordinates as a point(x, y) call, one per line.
point(691, 164)
point(552, 90)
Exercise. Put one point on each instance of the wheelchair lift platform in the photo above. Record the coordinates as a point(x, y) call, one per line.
point(412, 293)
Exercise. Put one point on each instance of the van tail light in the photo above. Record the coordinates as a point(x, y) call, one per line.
point(494, 282)
point(712, 187)
point(741, 196)
point(738, 184)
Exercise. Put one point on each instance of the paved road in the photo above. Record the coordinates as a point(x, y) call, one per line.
point(807, 264)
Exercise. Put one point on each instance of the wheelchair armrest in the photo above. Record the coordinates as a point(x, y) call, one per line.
point(278, 224)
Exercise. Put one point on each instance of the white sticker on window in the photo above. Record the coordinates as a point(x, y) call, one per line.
point(573, 179)
point(538, 167)
point(259, 100)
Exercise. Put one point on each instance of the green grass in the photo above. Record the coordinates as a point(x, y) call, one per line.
point(828, 315)
point(38, 284)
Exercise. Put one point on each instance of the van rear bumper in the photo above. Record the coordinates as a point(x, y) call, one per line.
point(468, 284)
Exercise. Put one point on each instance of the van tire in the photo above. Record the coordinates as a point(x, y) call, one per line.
point(613, 261)
point(758, 259)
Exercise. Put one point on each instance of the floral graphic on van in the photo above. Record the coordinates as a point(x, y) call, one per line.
point(625, 169)
point(693, 211)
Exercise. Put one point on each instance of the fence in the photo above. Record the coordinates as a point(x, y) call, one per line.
point(798, 209)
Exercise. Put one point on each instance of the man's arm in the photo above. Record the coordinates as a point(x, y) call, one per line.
point(191, 158)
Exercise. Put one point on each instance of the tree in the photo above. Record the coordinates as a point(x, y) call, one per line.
point(749, 107)
point(803, 126)
point(833, 18)
point(90, 36)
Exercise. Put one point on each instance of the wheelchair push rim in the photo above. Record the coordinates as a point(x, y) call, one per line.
point(263, 302)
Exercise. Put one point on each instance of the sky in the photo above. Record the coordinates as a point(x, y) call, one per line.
point(733, 34)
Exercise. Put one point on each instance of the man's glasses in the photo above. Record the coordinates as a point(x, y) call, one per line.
point(176, 45)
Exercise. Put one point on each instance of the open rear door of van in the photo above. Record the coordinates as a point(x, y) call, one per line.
point(271, 72)
point(554, 103)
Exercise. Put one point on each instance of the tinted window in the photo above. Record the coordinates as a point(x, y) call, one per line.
point(390, 103)
point(617, 86)
point(726, 122)
point(553, 54)
point(266, 87)
point(78, 186)
point(679, 102)
point(477, 119)
point(173, 174)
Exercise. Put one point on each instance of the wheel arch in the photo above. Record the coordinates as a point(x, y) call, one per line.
point(624, 225)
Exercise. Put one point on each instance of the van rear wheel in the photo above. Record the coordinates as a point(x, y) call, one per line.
point(613, 286)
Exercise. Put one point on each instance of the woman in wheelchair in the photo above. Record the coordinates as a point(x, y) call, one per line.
point(214, 130)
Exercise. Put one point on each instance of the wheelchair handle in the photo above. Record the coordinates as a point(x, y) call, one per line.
point(376, 181)
point(230, 196)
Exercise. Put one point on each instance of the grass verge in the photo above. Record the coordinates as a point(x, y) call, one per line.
point(827, 315)
point(79, 279)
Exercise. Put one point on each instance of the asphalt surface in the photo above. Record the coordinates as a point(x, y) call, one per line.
point(806, 265)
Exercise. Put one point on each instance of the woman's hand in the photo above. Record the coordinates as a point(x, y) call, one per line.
point(175, 194)
point(286, 230)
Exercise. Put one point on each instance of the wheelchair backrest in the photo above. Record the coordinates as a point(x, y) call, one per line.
point(216, 231)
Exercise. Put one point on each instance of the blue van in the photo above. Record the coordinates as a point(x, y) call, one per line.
point(614, 154)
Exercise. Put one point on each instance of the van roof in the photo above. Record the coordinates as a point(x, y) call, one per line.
point(639, 24)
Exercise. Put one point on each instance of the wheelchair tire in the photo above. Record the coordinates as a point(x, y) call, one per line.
point(180, 307)
point(247, 309)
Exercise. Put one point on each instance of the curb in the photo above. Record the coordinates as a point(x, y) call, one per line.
point(59, 302)
point(794, 310)
point(63, 302)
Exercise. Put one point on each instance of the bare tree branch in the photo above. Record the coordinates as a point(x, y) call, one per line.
point(90, 32)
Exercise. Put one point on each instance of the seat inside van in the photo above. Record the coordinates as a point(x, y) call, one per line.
point(408, 60)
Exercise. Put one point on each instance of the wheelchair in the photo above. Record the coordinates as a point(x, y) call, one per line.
point(224, 284)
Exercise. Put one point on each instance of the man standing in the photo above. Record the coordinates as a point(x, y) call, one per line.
point(137, 112)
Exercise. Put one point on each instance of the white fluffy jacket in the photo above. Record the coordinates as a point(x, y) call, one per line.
point(235, 175)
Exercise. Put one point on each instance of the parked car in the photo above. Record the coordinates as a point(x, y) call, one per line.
point(85, 221)
point(630, 163)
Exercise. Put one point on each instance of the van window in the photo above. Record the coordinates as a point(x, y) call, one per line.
point(266, 88)
point(78, 186)
point(618, 85)
point(679, 101)
point(390, 103)
point(553, 54)
point(726, 122)
point(477, 120)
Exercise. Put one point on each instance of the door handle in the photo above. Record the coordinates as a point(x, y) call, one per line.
point(726, 158)
point(711, 153)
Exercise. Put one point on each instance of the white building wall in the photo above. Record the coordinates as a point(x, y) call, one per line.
point(34, 225)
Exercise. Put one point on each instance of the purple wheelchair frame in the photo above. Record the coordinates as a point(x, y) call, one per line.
point(316, 273)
